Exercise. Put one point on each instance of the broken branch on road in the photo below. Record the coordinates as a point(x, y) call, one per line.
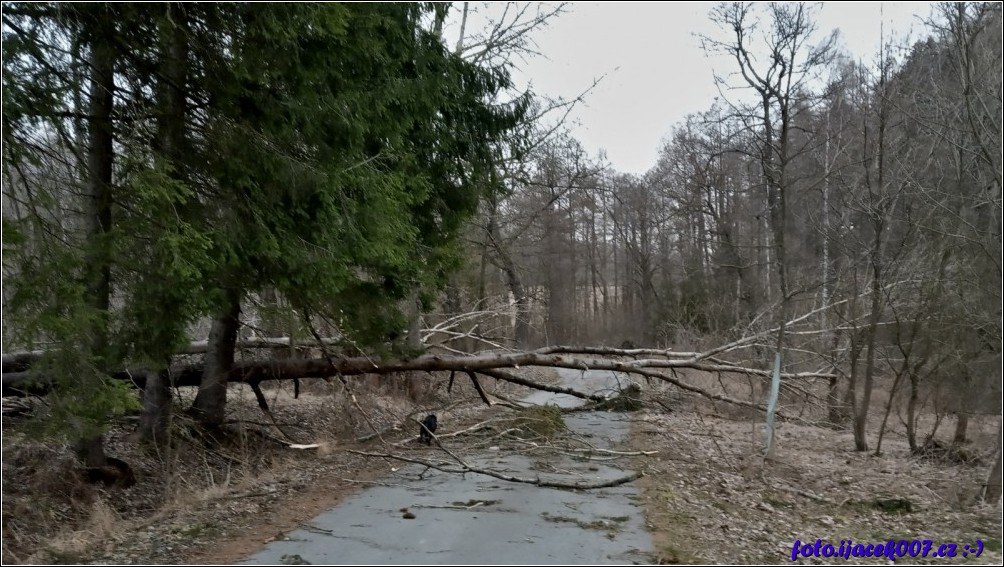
point(466, 468)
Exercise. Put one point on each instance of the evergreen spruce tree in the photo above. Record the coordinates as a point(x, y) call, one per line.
point(328, 152)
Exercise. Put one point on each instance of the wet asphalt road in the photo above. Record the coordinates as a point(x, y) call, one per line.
point(516, 524)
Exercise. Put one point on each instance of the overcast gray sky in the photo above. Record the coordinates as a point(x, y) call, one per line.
point(655, 71)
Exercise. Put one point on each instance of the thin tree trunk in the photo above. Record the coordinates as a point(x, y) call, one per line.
point(774, 173)
point(572, 316)
point(851, 394)
point(878, 213)
point(837, 410)
point(962, 421)
point(521, 330)
point(210, 403)
point(98, 211)
point(155, 421)
point(961, 427)
point(992, 489)
point(888, 410)
point(832, 397)
point(99, 200)
point(911, 411)
point(156, 417)
point(414, 311)
point(861, 416)
point(833, 404)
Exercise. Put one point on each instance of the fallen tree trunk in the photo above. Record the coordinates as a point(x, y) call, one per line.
point(21, 383)
point(190, 375)
point(200, 347)
point(32, 383)
point(21, 361)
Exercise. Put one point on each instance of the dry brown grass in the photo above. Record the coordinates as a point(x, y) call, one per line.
point(42, 491)
point(711, 496)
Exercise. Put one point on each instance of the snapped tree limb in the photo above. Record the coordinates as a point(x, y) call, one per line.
point(462, 468)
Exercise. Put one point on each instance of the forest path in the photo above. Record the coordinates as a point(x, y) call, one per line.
point(515, 524)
